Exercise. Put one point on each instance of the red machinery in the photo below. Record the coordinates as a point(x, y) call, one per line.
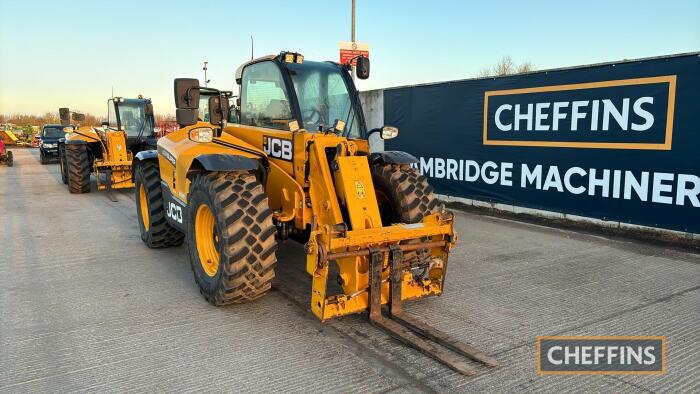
point(5, 155)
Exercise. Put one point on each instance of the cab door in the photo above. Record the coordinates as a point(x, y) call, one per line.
point(266, 112)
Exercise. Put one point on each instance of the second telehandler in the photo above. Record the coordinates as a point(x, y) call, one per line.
point(107, 151)
point(292, 160)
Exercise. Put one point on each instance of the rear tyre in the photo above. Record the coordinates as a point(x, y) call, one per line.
point(230, 237)
point(78, 168)
point(10, 160)
point(62, 162)
point(156, 232)
point(404, 196)
point(43, 158)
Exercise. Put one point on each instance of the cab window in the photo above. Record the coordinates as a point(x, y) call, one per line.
point(203, 114)
point(264, 100)
point(111, 114)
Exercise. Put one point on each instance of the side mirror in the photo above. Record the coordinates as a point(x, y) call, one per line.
point(389, 132)
point(148, 109)
point(186, 117)
point(187, 93)
point(105, 124)
point(78, 117)
point(386, 132)
point(64, 114)
point(362, 67)
point(218, 109)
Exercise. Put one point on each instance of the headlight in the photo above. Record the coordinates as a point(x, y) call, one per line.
point(202, 134)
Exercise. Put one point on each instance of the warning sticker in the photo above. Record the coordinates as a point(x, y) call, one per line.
point(360, 189)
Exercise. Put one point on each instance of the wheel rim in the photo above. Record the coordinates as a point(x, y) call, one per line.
point(143, 206)
point(206, 237)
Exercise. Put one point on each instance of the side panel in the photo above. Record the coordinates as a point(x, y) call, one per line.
point(175, 210)
point(84, 133)
point(176, 153)
point(278, 145)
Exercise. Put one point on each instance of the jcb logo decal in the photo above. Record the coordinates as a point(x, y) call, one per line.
point(278, 147)
point(168, 156)
point(174, 212)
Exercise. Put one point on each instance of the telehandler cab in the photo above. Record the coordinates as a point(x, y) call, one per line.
point(106, 151)
point(292, 160)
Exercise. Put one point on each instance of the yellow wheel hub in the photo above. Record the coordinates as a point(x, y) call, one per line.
point(143, 206)
point(206, 239)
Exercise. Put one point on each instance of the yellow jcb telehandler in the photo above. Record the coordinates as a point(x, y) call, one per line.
point(292, 160)
point(107, 151)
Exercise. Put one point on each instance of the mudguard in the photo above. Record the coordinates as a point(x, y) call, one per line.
point(75, 142)
point(392, 157)
point(146, 155)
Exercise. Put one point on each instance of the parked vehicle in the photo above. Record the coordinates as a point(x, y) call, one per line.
point(5, 155)
point(106, 151)
point(293, 161)
point(48, 142)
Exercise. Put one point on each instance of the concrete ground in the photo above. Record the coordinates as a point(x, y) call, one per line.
point(85, 306)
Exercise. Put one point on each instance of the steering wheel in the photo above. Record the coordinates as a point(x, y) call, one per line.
point(312, 116)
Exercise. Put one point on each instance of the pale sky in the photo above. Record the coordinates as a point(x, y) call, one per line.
point(72, 53)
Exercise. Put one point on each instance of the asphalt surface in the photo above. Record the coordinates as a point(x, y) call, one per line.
point(85, 306)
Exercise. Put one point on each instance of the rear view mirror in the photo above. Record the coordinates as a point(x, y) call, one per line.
point(105, 124)
point(186, 117)
point(64, 114)
point(362, 67)
point(386, 132)
point(78, 117)
point(186, 93)
point(389, 132)
point(218, 109)
point(148, 109)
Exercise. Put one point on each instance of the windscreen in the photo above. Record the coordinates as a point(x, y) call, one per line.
point(54, 132)
point(133, 119)
point(323, 97)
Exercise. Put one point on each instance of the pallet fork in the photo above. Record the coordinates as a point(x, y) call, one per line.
point(410, 331)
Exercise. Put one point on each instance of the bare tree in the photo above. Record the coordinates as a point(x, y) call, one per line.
point(47, 118)
point(484, 73)
point(525, 67)
point(505, 66)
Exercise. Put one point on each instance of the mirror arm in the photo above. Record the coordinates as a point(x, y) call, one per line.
point(374, 130)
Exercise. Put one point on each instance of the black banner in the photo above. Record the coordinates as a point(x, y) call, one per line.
point(613, 141)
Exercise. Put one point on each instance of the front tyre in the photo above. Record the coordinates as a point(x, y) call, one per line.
point(404, 196)
point(62, 162)
point(156, 232)
point(230, 237)
point(78, 162)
